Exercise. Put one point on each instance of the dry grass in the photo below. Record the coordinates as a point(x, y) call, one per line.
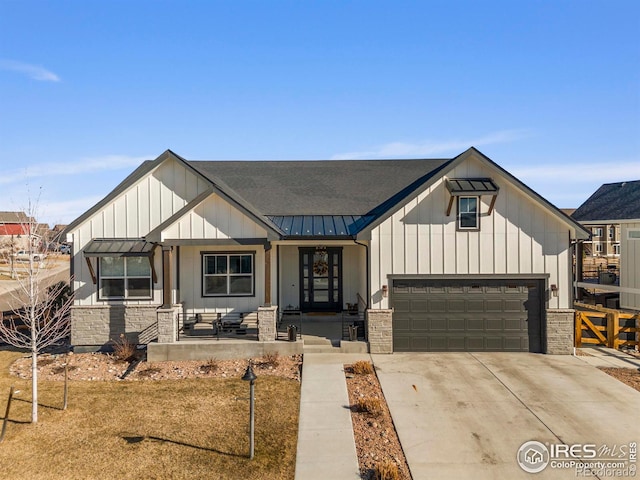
point(386, 470)
point(210, 365)
point(362, 367)
point(193, 428)
point(123, 349)
point(370, 405)
point(271, 359)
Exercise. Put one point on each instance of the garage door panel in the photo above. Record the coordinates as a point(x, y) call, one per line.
point(467, 315)
point(475, 306)
point(456, 305)
point(494, 324)
point(438, 324)
point(475, 324)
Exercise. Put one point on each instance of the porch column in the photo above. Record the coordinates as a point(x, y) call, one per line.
point(267, 274)
point(166, 277)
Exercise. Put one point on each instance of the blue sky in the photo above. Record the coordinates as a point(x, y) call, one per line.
point(550, 90)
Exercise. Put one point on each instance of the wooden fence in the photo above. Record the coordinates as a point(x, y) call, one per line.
point(605, 326)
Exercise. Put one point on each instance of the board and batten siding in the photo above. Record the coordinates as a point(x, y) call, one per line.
point(630, 266)
point(215, 219)
point(133, 214)
point(519, 237)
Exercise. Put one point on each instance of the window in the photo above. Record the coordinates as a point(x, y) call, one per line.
point(633, 234)
point(598, 248)
point(612, 233)
point(468, 218)
point(597, 232)
point(616, 249)
point(227, 274)
point(125, 278)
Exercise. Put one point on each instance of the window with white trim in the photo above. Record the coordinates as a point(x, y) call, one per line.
point(227, 274)
point(124, 278)
point(598, 248)
point(612, 233)
point(597, 232)
point(468, 214)
point(616, 249)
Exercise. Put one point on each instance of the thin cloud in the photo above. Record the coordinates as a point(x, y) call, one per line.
point(35, 72)
point(84, 165)
point(431, 147)
point(599, 172)
point(66, 211)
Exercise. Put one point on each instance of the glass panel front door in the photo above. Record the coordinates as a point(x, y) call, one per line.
point(321, 279)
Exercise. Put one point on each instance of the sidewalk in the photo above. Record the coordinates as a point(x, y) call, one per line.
point(608, 357)
point(326, 446)
point(58, 270)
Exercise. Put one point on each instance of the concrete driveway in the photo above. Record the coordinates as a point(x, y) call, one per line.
point(465, 415)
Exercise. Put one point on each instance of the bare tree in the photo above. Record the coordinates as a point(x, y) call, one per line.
point(40, 310)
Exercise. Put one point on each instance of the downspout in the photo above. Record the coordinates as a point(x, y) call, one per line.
point(366, 247)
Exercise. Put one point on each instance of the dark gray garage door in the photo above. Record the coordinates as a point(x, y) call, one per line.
point(432, 315)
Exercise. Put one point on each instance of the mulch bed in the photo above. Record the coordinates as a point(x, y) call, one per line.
point(375, 436)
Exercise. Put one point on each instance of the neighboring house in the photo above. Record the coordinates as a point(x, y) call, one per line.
point(14, 231)
point(449, 254)
point(618, 204)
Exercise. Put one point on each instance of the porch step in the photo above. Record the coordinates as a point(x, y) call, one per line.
point(313, 344)
point(315, 340)
point(321, 349)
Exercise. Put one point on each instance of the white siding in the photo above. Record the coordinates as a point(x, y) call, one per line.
point(519, 237)
point(191, 281)
point(629, 266)
point(135, 212)
point(216, 219)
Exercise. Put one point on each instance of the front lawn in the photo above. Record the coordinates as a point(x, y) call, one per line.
point(190, 428)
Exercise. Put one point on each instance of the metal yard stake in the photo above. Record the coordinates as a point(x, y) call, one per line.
point(250, 377)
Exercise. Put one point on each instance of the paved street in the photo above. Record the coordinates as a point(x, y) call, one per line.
point(55, 269)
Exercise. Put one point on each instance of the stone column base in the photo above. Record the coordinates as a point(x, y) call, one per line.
point(380, 330)
point(560, 328)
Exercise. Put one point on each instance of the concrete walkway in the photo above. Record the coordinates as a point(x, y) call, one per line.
point(608, 357)
point(326, 446)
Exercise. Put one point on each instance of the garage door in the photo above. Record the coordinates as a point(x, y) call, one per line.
point(472, 315)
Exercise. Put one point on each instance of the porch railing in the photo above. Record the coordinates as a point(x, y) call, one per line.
point(216, 325)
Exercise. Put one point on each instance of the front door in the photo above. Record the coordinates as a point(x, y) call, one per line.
point(321, 279)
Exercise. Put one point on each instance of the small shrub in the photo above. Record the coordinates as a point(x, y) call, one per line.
point(123, 349)
point(271, 359)
point(149, 371)
point(60, 369)
point(362, 367)
point(386, 470)
point(210, 365)
point(43, 362)
point(370, 405)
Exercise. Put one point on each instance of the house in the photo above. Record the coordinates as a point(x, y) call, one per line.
point(618, 204)
point(443, 254)
point(16, 228)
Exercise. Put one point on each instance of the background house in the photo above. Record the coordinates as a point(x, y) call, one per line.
point(613, 215)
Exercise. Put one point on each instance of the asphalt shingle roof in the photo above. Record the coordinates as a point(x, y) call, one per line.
point(612, 201)
point(324, 187)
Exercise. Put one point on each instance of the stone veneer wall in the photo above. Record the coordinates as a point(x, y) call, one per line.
point(267, 319)
point(560, 328)
point(99, 324)
point(380, 330)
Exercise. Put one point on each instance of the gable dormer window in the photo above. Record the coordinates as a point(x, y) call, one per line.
point(468, 218)
point(468, 192)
